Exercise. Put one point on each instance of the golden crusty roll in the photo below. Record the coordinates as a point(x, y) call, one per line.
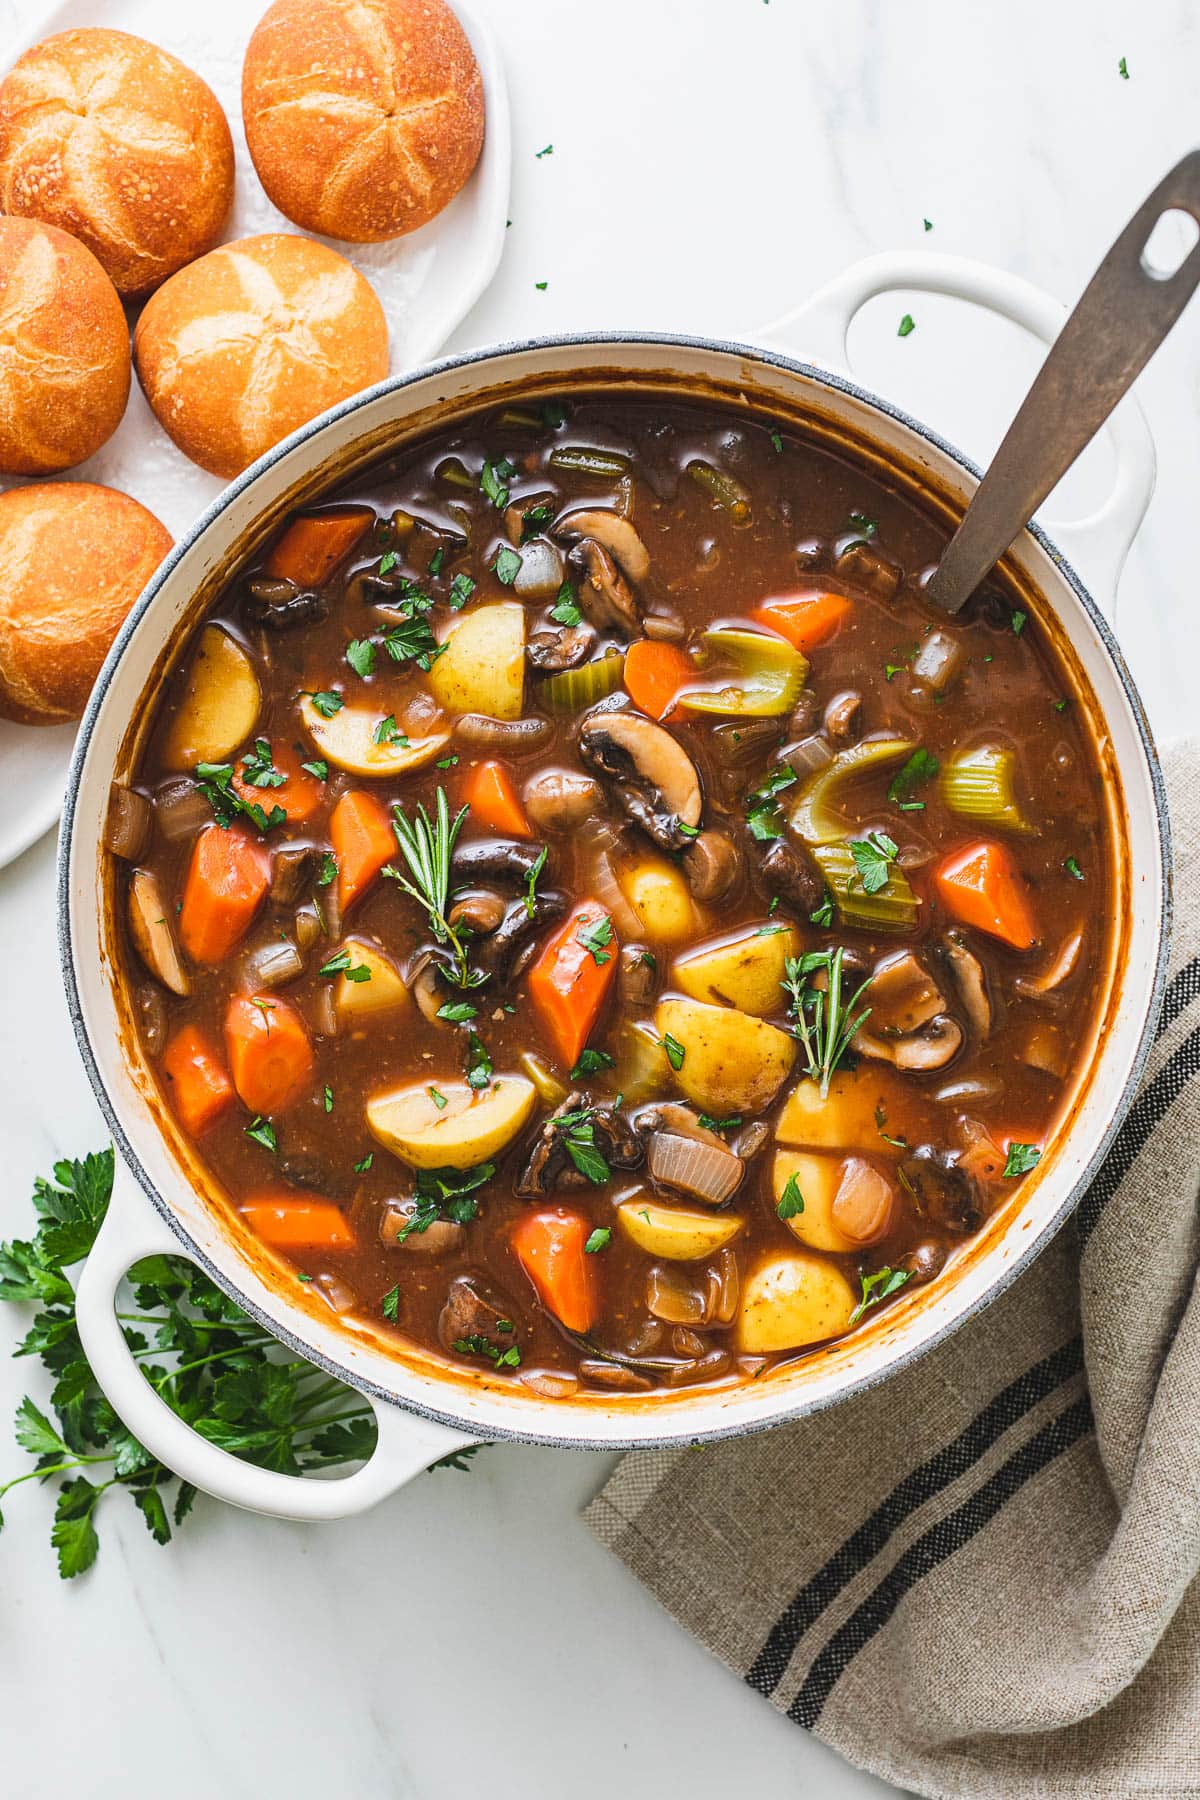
point(64, 350)
point(120, 144)
point(364, 117)
point(73, 558)
point(252, 340)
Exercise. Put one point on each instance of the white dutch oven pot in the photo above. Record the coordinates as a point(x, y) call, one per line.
point(158, 1205)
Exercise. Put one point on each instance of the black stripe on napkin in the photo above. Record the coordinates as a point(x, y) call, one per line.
point(920, 1485)
point(1154, 1100)
point(935, 1546)
point(1182, 989)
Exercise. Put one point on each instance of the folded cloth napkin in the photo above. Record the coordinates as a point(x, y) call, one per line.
point(981, 1578)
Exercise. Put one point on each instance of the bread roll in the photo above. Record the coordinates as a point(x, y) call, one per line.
point(120, 144)
point(242, 346)
point(364, 117)
point(64, 350)
point(73, 559)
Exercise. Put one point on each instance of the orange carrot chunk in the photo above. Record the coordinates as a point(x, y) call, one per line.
point(199, 1089)
point(981, 885)
point(492, 798)
point(314, 544)
point(363, 840)
point(227, 878)
point(270, 1056)
point(300, 793)
point(654, 674)
point(286, 1223)
point(571, 977)
point(805, 619)
point(550, 1248)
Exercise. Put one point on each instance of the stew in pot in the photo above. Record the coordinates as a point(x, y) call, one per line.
point(597, 920)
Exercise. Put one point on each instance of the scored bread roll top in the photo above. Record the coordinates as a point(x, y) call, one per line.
point(73, 558)
point(120, 144)
point(64, 350)
point(251, 341)
point(364, 117)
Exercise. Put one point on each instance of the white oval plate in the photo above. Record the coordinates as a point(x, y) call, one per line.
point(427, 282)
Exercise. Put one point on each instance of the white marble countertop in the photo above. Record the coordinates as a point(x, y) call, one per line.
point(714, 160)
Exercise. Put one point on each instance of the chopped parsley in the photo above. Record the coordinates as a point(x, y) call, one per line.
point(674, 1050)
point(412, 640)
point(1020, 1159)
point(343, 964)
point(364, 1163)
point(791, 1201)
point(387, 562)
point(1073, 868)
point(439, 1099)
point(445, 1194)
point(863, 524)
point(578, 1133)
point(437, 559)
point(507, 565)
point(711, 1124)
point(390, 1305)
point(533, 518)
point(328, 1098)
point(494, 478)
point(461, 589)
point(823, 914)
point(360, 654)
point(216, 784)
point(590, 1063)
point(257, 769)
point(564, 611)
point(326, 703)
point(328, 870)
point(595, 939)
point(318, 768)
point(920, 768)
point(764, 816)
point(1018, 622)
point(263, 1132)
point(476, 1345)
point(479, 1063)
point(554, 413)
point(531, 881)
point(457, 1012)
point(541, 286)
point(1123, 69)
point(599, 1239)
point(872, 855)
point(777, 443)
point(388, 732)
point(445, 762)
point(879, 1286)
point(907, 325)
point(548, 151)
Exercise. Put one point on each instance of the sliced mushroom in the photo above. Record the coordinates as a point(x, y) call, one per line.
point(605, 597)
point(281, 605)
point(553, 651)
point(635, 978)
point(657, 783)
point(420, 976)
point(550, 1164)
point(711, 865)
point(753, 1140)
point(917, 1052)
point(971, 983)
point(494, 859)
point(561, 800)
point(514, 736)
point(470, 1312)
point(152, 932)
point(505, 954)
point(480, 911)
point(843, 718)
point(614, 534)
point(924, 1262)
point(789, 872)
point(942, 1189)
point(1066, 960)
point(291, 868)
point(440, 1238)
point(904, 996)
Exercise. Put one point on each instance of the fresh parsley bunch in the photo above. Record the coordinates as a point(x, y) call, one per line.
point(212, 1364)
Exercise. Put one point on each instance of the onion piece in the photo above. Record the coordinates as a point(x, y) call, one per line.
point(551, 1384)
point(325, 1019)
point(289, 869)
point(127, 826)
point(612, 897)
point(541, 571)
point(180, 809)
point(335, 1292)
point(151, 1011)
point(938, 660)
point(1044, 1050)
point(695, 1168)
point(863, 1205)
point(272, 964)
point(670, 1295)
point(308, 927)
point(724, 1288)
point(808, 756)
point(1036, 987)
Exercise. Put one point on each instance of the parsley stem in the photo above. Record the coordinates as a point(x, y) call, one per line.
point(202, 1362)
point(41, 1474)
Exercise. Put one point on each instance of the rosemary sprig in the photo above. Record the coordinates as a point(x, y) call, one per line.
point(427, 846)
point(824, 1023)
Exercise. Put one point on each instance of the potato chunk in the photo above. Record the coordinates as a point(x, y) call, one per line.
point(220, 706)
point(361, 999)
point(482, 667)
point(447, 1124)
point(859, 1101)
point(745, 971)
point(676, 1233)
point(848, 1201)
point(661, 899)
point(732, 1062)
point(348, 741)
point(792, 1300)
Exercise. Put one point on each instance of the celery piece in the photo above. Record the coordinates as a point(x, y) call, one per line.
point(455, 474)
point(892, 907)
point(574, 689)
point(978, 784)
point(768, 676)
point(722, 488)
point(605, 463)
point(816, 815)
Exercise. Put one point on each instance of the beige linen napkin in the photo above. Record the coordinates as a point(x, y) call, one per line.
point(981, 1578)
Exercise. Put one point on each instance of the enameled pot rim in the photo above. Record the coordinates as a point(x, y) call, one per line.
point(793, 1406)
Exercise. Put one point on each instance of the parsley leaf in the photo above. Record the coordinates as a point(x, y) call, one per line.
point(564, 611)
point(263, 1132)
point(360, 654)
point(920, 768)
point(791, 1201)
point(390, 1304)
point(711, 1124)
point(319, 768)
point(907, 324)
point(457, 1012)
point(531, 881)
point(599, 1239)
point(1072, 867)
point(388, 732)
point(590, 1063)
point(764, 816)
point(578, 1134)
point(461, 589)
point(507, 565)
point(879, 1286)
point(479, 1063)
point(328, 870)
point(326, 702)
point(872, 855)
point(823, 914)
point(215, 781)
point(493, 479)
point(1020, 1160)
point(1018, 623)
point(595, 938)
point(674, 1050)
point(257, 769)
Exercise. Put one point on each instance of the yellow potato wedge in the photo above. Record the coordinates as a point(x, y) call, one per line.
point(220, 706)
point(744, 971)
point(675, 1232)
point(847, 1119)
point(472, 1126)
point(151, 926)
point(382, 990)
point(792, 1300)
point(482, 668)
point(732, 1062)
point(642, 1071)
point(660, 898)
point(817, 1178)
point(347, 741)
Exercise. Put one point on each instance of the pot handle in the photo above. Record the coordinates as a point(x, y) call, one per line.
point(132, 1230)
point(1098, 544)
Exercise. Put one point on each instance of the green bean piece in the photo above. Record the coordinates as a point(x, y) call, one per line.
point(723, 488)
point(604, 463)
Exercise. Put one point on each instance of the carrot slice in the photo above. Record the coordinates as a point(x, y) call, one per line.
point(227, 877)
point(654, 674)
point(279, 1219)
point(363, 840)
point(270, 1056)
point(571, 977)
point(299, 796)
point(806, 619)
point(550, 1248)
point(492, 798)
point(981, 885)
point(314, 544)
point(199, 1087)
